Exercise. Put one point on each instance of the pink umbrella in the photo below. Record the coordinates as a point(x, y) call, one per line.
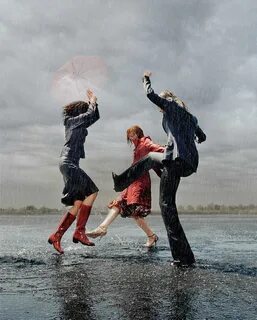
point(71, 80)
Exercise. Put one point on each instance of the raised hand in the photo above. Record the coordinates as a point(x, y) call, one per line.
point(147, 74)
point(113, 203)
point(91, 96)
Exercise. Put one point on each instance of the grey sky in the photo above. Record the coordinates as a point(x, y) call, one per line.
point(206, 51)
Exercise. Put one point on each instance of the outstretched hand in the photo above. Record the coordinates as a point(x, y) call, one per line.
point(91, 96)
point(147, 74)
point(113, 203)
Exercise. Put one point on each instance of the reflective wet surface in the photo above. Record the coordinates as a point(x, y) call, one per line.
point(120, 279)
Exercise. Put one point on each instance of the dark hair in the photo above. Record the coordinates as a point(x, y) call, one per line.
point(135, 130)
point(75, 109)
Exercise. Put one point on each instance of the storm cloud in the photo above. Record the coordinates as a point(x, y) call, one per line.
point(206, 51)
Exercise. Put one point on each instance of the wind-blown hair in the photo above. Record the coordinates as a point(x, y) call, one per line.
point(135, 130)
point(74, 109)
point(167, 94)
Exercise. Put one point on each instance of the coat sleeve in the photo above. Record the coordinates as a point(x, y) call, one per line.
point(153, 147)
point(155, 98)
point(200, 135)
point(85, 119)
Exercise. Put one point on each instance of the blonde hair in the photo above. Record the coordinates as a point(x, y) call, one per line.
point(167, 94)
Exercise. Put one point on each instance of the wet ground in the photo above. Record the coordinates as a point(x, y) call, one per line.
point(120, 279)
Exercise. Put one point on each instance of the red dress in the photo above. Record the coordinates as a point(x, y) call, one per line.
point(136, 199)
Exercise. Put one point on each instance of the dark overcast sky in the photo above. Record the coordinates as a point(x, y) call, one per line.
point(206, 51)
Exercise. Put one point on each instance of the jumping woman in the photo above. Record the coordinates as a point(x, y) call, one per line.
point(79, 190)
point(180, 159)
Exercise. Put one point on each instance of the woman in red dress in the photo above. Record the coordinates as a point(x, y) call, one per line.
point(135, 201)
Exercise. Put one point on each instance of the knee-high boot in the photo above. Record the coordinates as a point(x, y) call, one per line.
point(55, 238)
point(123, 180)
point(79, 234)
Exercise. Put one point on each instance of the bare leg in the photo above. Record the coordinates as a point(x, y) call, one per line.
point(101, 230)
point(143, 225)
point(75, 209)
point(152, 237)
point(89, 201)
point(111, 216)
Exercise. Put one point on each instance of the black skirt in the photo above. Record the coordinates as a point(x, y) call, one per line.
point(77, 184)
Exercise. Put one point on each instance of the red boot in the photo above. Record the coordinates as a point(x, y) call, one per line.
point(55, 238)
point(79, 234)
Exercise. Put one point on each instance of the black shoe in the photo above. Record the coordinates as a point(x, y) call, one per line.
point(175, 263)
point(179, 264)
point(115, 177)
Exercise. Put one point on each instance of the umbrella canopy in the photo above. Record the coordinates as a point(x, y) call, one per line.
point(71, 80)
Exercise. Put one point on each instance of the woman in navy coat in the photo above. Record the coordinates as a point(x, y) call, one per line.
point(180, 159)
point(79, 190)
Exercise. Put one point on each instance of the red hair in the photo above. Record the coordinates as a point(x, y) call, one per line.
point(135, 130)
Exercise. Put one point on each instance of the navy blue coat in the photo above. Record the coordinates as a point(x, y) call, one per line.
point(180, 126)
point(76, 132)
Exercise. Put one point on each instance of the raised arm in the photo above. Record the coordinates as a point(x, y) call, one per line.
point(151, 95)
point(88, 118)
point(85, 119)
point(153, 147)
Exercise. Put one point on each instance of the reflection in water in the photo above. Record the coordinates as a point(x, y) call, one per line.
point(119, 279)
point(181, 303)
point(125, 288)
point(73, 289)
point(137, 295)
point(229, 268)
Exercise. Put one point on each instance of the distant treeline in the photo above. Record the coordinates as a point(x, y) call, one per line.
point(29, 210)
point(199, 209)
point(219, 209)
